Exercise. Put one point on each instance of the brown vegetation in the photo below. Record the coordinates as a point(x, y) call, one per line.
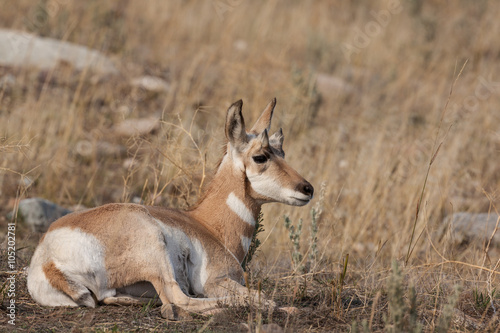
point(368, 126)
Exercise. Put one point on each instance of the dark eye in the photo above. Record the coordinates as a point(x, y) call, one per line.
point(260, 159)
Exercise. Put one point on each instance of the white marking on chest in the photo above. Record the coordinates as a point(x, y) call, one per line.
point(239, 208)
point(177, 242)
point(245, 243)
point(200, 265)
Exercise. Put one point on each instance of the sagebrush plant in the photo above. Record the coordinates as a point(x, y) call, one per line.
point(313, 240)
point(255, 243)
point(295, 234)
point(403, 315)
point(445, 319)
point(314, 228)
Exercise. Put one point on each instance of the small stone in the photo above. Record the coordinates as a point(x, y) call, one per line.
point(328, 85)
point(87, 149)
point(151, 83)
point(39, 213)
point(136, 127)
point(105, 149)
point(130, 163)
point(343, 164)
point(291, 310)
point(84, 148)
point(467, 228)
point(27, 50)
point(240, 45)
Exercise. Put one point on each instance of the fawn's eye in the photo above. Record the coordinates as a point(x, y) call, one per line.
point(260, 159)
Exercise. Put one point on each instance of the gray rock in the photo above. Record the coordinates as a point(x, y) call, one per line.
point(23, 49)
point(39, 213)
point(468, 228)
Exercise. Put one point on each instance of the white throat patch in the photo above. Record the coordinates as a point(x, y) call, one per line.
point(239, 208)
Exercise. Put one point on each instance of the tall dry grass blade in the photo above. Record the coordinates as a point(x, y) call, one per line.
point(431, 161)
point(435, 154)
point(487, 248)
point(201, 154)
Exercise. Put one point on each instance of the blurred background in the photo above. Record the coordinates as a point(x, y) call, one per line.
point(367, 91)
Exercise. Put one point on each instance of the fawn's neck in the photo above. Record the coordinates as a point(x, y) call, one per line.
point(227, 211)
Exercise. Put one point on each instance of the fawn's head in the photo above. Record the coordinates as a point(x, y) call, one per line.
point(262, 159)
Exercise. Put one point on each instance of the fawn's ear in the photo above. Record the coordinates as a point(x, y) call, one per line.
point(264, 121)
point(276, 142)
point(276, 139)
point(235, 125)
point(264, 139)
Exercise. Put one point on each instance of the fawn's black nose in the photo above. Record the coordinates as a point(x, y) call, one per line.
point(306, 188)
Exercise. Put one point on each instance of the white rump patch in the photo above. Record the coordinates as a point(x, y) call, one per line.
point(79, 256)
point(239, 208)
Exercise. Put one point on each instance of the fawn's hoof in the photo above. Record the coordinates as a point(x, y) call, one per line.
point(172, 312)
point(167, 312)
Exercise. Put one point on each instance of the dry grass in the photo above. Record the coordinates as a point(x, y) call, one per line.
point(370, 142)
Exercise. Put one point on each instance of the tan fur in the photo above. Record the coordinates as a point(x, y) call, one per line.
point(57, 279)
point(138, 251)
point(98, 222)
point(222, 222)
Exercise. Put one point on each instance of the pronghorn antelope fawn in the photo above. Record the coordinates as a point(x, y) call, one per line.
point(128, 253)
